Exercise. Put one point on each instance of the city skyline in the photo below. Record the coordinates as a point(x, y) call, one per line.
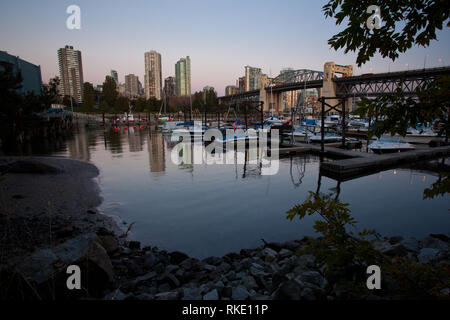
point(219, 37)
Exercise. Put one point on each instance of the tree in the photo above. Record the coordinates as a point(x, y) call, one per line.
point(88, 96)
point(197, 101)
point(10, 82)
point(122, 105)
point(420, 20)
point(50, 93)
point(110, 93)
point(154, 104)
point(141, 105)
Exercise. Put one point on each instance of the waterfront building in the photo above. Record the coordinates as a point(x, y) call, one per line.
point(121, 89)
point(132, 86)
point(71, 73)
point(207, 88)
point(169, 87)
point(252, 78)
point(153, 75)
point(240, 83)
point(31, 73)
point(230, 90)
point(183, 77)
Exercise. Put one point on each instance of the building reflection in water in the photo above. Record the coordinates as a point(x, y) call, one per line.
point(136, 139)
point(156, 152)
point(113, 141)
point(79, 146)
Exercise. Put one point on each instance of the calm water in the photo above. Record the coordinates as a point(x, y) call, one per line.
point(207, 210)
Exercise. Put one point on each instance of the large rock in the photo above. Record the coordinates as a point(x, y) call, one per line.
point(212, 295)
point(212, 261)
point(257, 270)
point(239, 293)
point(396, 250)
point(411, 245)
point(177, 257)
point(314, 278)
point(50, 265)
point(170, 295)
point(269, 254)
point(289, 290)
point(305, 261)
point(44, 264)
point(435, 242)
point(150, 259)
point(191, 294)
point(428, 254)
point(110, 243)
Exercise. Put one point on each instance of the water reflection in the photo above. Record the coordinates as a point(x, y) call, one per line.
point(210, 209)
point(156, 152)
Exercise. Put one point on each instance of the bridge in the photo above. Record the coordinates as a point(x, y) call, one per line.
point(329, 85)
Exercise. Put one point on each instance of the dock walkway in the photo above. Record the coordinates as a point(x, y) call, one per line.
point(348, 168)
point(356, 164)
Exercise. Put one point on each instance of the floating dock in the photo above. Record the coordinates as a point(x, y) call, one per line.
point(355, 167)
point(353, 164)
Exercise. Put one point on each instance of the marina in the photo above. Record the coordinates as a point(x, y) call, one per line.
point(140, 184)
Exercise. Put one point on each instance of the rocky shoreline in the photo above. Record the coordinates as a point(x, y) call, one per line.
point(114, 268)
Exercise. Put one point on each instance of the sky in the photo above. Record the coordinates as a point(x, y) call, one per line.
point(221, 37)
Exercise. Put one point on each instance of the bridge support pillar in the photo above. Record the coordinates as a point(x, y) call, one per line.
point(272, 100)
point(329, 86)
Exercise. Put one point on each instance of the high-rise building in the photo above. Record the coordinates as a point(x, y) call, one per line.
point(252, 78)
point(115, 76)
point(169, 87)
point(183, 77)
point(153, 75)
point(240, 83)
point(208, 88)
point(71, 73)
point(230, 90)
point(132, 85)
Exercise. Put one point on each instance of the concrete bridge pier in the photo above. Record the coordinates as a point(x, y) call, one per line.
point(329, 86)
point(272, 101)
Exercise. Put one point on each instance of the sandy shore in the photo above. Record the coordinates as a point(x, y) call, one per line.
point(44, 201)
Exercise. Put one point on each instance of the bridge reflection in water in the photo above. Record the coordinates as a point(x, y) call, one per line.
point(213, 209)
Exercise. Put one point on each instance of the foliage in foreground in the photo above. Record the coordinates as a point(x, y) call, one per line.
point(346, 255)
point(396, 112)
point(404, 24)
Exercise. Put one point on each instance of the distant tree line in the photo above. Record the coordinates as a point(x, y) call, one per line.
point(109, 101)
point(19, 120)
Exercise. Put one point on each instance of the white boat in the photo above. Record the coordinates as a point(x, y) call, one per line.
point(420, 135)
point(332, 120)
point(127, 118)
point(300, 134)
point(328, 137)
point(275, 120)
point(236, 137)
point(390, 145)
point(164, 118)
point(169, 126)
point(196, 131)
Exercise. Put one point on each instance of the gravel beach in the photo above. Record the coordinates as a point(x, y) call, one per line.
point(44, 201)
